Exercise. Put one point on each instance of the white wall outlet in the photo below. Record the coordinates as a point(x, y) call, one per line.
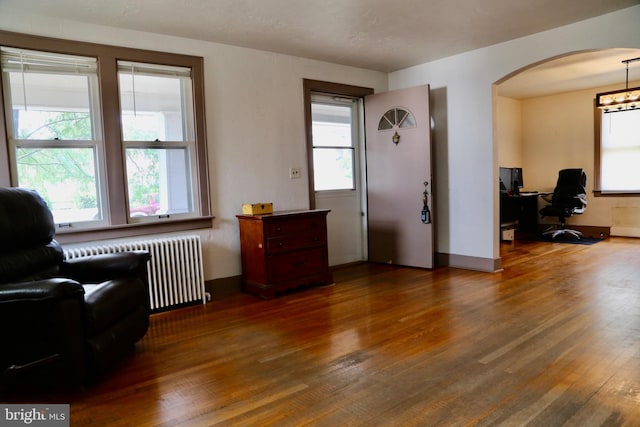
point(295, 173)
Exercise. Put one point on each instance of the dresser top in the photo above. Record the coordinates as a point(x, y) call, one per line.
point(284, 214)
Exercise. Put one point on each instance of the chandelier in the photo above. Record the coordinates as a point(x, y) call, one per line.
point(622, 99)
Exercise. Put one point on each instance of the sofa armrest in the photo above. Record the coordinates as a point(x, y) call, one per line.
point(100, 268)
point(43, 322)
point(57, 288)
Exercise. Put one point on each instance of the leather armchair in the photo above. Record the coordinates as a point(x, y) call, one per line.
point(62, 322)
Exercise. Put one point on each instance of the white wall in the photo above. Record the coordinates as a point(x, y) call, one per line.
point(466, 162)
point(255, 120)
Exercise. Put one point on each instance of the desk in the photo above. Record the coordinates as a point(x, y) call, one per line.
point(521, 209)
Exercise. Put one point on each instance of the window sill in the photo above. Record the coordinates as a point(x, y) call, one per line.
point(600, 193)
point(134, 230)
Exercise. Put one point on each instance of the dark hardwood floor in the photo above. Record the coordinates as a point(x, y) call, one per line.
point(552, 340)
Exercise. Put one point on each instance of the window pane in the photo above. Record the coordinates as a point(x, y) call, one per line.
point(331, 125)
point(391, 116)
point(620, 151)
point(407, 120)
point(48, 106)
point(333, 169)
point(52, 125)
point(159, 181)
point(620, 170)
point(155, 107)
point(65, 177)
point(384, 124)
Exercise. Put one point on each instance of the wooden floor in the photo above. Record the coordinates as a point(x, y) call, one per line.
point(552, 340)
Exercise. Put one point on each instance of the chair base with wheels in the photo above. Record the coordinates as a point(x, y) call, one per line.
point(560, 230)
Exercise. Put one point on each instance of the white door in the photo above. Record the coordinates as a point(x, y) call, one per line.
point(337, 140)
point(398, 157)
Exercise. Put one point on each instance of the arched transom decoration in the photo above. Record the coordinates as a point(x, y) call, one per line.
point(399, 117)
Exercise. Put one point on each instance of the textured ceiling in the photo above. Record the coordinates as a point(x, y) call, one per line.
point(572, 72)
point(384, 35)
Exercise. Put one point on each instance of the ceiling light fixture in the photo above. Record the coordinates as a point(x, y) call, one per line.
point(622, 99)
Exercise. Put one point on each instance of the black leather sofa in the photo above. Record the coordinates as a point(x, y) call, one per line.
point(62, 322)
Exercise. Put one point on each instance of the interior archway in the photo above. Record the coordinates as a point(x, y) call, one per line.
point(544, 121)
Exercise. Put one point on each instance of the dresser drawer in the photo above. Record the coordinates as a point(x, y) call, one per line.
point(297, 241)
point(294, 226)
point(299, 264)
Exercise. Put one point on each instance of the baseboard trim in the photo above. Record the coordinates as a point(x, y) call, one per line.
point(223, 287)
point(625, 231)
point(468, 262)
point(227, 286)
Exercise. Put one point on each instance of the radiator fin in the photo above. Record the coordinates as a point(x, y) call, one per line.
point(175, 271)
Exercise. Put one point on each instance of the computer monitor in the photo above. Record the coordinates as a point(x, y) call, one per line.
point(505, 180)
point(511, 180)
point(516, 178)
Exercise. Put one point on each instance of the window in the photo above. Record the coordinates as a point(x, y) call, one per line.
point(334, 143)
point(619, 152)
point(158, 135)
point(396, 117)
point(113, 138)
point(321, 92)
point(54, 131)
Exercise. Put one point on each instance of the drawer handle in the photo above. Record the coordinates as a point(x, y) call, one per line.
point(316, 238)
point(298, 263)
point(278, 229)
point(280, 244)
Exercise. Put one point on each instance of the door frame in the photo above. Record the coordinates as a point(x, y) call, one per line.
point(328, 88)
point(316, 87)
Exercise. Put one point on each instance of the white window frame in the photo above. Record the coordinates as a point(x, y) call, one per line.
point(43, 63)
point(603, 122)
point(355, 105)
point(188, 138)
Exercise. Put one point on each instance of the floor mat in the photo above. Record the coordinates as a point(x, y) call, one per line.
point(566, 239)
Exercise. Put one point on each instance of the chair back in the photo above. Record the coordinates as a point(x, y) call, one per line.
point(27, 229)
point(571, 189)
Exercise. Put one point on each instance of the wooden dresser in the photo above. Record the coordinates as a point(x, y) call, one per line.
point(284, 250)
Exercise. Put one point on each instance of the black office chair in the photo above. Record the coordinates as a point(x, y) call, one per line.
point(569, 198)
